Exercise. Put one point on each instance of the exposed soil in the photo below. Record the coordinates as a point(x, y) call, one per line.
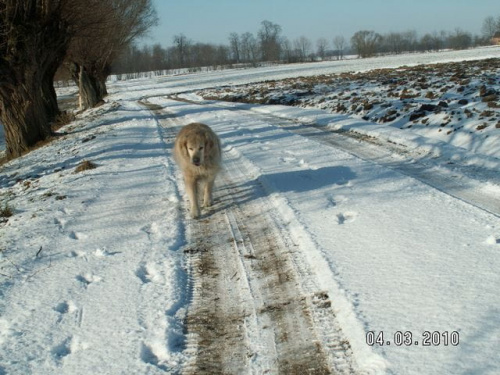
point(447, 96)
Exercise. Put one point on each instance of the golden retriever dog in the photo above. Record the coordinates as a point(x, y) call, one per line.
point(198, 154)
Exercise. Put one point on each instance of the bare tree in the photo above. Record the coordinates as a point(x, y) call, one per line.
point(366, 42)
point(427, 43)
point(234, 44)
point(287, 51)
point(203, 54)
point(158, 57)
point(490, 27)
point(410, 40)
point(322, 46)
point(270, 42)
point(459, 39)
point(114, 25)
point(394, 43)
point(340, 44)
point(133, 59)
point(35, 36)
point(33, 40)
point(249, 48)
point(399, 42)
point(302, 47)
point(431, 42)
point(221, 56)
point(181, 46)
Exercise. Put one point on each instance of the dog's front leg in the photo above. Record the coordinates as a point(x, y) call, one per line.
point(207, 196)
point(192, 192)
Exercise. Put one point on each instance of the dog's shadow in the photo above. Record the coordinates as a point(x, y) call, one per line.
point(228, 194)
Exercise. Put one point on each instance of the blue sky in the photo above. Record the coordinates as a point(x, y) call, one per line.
point(211, 21)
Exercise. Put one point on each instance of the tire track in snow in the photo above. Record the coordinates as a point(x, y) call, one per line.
point(247, 313)
point(256, 307)
point(292, 292)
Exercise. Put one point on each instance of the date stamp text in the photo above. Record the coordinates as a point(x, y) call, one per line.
point(408, 338)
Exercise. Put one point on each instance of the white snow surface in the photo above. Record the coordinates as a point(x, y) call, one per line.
point(92, 275)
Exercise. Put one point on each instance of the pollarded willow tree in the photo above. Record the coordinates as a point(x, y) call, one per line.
point(33, 40)
point(100, 38)
point(35, 36)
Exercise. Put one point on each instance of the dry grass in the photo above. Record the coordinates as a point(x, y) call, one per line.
point(85, 165)
point(64, 118)
point(150, 106)
point(6, 211)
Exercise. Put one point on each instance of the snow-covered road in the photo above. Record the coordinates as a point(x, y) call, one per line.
point(393, 254)
point(312, 249)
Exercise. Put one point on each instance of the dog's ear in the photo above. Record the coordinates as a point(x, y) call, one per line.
point(185, 148)
point(209, 144)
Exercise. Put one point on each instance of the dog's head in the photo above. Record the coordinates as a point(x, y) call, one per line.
point(197, 149)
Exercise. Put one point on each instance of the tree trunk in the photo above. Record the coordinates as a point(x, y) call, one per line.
point(33, 40)
point(102, 76)
point(102, 90)
point(24, 116)
point(49, 97)
point(91, 85)
point(88, 90)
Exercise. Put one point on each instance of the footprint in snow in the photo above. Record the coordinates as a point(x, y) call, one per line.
point(68, 346)
point(88, 278)
point(151, 229)
point(61, 223)
point(78, 254)
point(62, 350)
point(66, 307)
point(148, 273)
point(150, 356)
point(336, 200)
point(77, 236)
point(142, 274)
point(347, 217)
point(332, 202)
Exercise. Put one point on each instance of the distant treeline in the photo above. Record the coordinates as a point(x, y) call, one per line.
point(269, 45)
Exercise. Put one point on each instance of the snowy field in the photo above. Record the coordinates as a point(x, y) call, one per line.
point(455, 103)
point(389, 241)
